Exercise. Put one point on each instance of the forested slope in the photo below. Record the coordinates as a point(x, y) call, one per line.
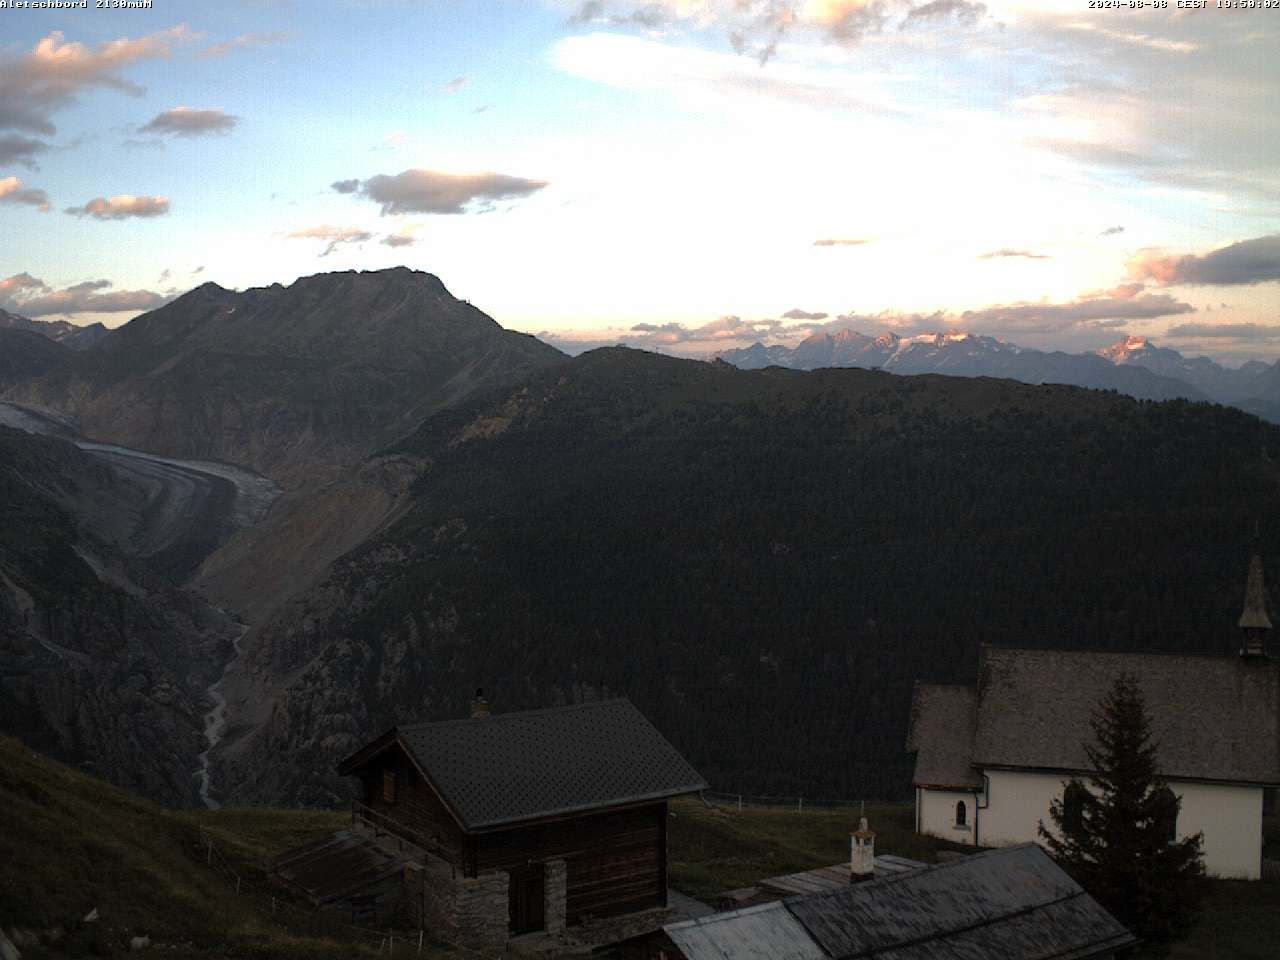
point(763, 561)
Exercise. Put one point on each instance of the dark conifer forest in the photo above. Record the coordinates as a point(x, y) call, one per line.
point(765, 561)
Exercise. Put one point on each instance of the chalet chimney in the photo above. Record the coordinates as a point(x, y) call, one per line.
point(479, 705)
point(862, 853)
point(1254, 620)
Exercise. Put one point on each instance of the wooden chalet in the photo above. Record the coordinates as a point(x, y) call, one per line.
point(570, 803)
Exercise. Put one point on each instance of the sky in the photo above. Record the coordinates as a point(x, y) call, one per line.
point(690, 175)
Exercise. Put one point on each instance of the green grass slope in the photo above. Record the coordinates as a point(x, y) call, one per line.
point(71, 843)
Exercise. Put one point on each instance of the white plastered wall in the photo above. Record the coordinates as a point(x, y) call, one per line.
point(936, 812)
point(1229, 816)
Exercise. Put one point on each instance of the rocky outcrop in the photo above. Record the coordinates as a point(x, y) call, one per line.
point(102, 660)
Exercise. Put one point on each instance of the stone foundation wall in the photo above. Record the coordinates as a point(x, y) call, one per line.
point(471, 912)
point(555, 896)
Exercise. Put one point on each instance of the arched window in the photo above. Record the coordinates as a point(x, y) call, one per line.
point(1165, 803)
point(1073, 799)
point(962, 814)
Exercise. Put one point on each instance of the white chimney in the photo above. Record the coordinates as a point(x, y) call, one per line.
point(862, 853)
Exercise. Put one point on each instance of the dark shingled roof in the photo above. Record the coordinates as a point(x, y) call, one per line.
point(941, 733)
point(1212, 718)
point(520, 766)
point(1014, 903)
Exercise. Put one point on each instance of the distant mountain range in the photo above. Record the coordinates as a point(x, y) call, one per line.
point(60, 331)
point(1133, 365)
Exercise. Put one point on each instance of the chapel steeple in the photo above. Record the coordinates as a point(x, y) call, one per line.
point(1254, 620)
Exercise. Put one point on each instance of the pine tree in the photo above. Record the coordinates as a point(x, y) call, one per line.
point(1116, 837)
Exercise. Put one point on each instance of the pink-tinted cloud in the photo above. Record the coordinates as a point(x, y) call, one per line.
point(13, 192)
point(1057, 317)
point(24, 294)
point(37, 84)
point(1246, 262)
point(241, 42)
point(121, 207)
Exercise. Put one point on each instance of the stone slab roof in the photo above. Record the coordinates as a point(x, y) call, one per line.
point(512, 767)
point(941, 734)
point(1014, 903)
point(765, 932)
point(1011, 903)
point(1212, 718)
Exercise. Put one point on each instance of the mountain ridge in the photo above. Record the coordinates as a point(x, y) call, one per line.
point(296, 382)
point(1133, 365)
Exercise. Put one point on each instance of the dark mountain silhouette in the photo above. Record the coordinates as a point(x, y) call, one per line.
point(64, 332)
point(296, 382)
point(25, 355)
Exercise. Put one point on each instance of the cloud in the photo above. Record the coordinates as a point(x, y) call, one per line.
point(1111, 231)
point(20, 150)
point(185, 122)
point(121, 207)
point(797, 314)
point(17, 286)
point(241, 42)
point(1006, 252)
point(427, 191)
point(454, 85)
point(24, 294)
point(650, 15)
point(958, 10)
point(346, 186)
point(1224, 331)
point(756, 28)
point(727, 329)
point(13, 192)
point(835, 242)
point(404, 237)
point(55, 72)
point(335, 236)
point(1057, 317)
point(1246, 262)
point(199, 269)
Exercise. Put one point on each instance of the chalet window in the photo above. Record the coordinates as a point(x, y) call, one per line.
point(1166, 805)
point(1073, 799)
point(388, 786)
point(962, 814)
